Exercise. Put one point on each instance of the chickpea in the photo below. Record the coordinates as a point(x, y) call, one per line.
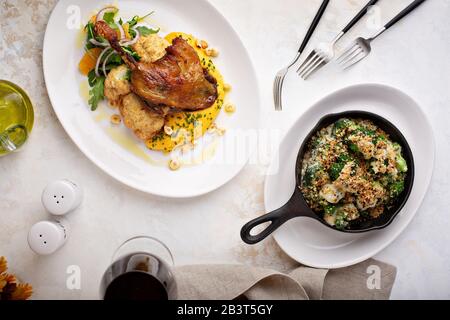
point(168, 130)
point(221, 131)
point(174, 164)
point(227, 87)
point(229, 107)
point(115, 119)
point(211, 52)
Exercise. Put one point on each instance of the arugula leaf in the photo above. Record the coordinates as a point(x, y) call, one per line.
point(90, 35)
point(132, 32)
point(96, 94)
point(147, 15)
point(144, 31)
point(128, 75)
point(132, 53)
point(109, 17)
point(134, 21)
point(89, 30)
point(92, 78)
point(115, 60)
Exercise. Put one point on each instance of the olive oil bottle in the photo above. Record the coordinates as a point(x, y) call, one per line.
point(16, 117)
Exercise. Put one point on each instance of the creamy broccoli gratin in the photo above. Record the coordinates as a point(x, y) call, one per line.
point(352, 170)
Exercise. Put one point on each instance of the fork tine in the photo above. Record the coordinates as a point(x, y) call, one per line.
point(319, 64)
point(277, 88)
point(311, 65)
point(320, 58)
point(278, 105)
point(307, 62)
point(275, 93)
point(280, 95)
point(352, 56)
point(347, 52)
point(356, 59)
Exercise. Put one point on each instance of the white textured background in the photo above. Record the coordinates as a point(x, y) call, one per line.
point(412, 56)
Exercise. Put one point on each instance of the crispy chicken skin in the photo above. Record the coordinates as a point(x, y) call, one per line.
point(177, 80)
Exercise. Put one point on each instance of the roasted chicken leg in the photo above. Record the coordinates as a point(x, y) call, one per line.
point(177, 80)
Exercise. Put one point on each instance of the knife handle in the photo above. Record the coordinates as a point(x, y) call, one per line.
point(313, 25)
point(404, 13)
point(360, 14)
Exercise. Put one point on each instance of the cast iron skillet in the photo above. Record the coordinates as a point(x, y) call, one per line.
point(297, 206)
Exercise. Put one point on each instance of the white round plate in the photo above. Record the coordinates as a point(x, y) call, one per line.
point(133, 164)
point(308, 241)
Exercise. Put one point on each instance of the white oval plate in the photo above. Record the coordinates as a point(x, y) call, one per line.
point(62, 53)
point(308, 241)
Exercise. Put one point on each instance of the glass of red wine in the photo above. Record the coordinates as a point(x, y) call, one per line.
point(141, 270)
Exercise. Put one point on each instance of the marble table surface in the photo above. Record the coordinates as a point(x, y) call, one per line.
point(206, 229)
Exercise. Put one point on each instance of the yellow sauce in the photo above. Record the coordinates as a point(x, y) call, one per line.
point(84, 90)
point(101, 115)
point(81, 38)
point(207, 153)
point(130, 145)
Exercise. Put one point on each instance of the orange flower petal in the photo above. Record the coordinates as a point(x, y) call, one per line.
point(23, 292)
point(3, 264)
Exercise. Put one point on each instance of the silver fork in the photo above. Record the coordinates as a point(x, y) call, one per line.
point(279, 78)
point(325, 52)
point(360, 47)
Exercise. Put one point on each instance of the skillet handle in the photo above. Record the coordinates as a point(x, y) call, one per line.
point(293, 208)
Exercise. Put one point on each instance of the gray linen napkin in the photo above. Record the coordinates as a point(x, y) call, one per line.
point(370, 279)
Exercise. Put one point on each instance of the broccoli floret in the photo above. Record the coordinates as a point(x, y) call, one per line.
point(397, 147)
point(344, 158)
point(315, 143)
point(340, 222)
point(397, 188)
point(379, 138)
point(364, 214)
point(330, 209)
point(310, 174)
point(341, 125)
point(336, 168)
point(353, 147)
point(401, 164)
point(366, 131)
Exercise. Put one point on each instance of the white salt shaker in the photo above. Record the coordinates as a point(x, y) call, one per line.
point(46, 237)
point(61, 197)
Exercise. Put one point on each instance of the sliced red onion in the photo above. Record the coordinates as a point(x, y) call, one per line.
point(133, 41)
point(105, 61)
point(98, 43)
point(97, 64)
point(101, 13)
